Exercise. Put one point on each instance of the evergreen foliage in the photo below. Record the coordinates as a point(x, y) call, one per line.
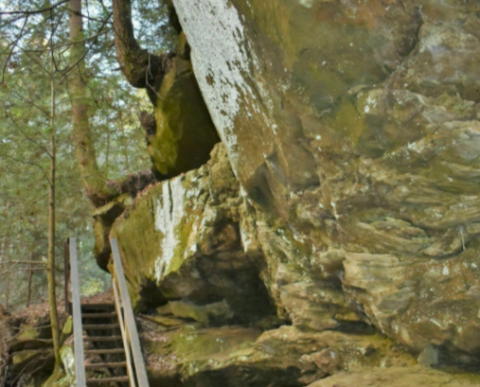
point(26, 38)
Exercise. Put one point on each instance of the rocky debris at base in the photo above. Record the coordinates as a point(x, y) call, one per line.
point(398, 377)
point(240, 356)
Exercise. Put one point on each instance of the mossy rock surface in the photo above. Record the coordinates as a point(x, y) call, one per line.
point(180, 240)
point(285, 356)
point(185, 134)
point(353, 128)
point(344, 200)
point(398, 377)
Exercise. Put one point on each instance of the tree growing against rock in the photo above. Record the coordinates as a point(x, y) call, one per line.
point(25, 149)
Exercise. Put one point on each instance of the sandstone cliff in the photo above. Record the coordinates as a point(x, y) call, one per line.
point(337, 225)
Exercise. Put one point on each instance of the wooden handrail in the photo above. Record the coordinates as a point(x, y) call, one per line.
point(77, 316)
point(131, 342)
point(130, 328)
point(126, 346)
point(66, 272)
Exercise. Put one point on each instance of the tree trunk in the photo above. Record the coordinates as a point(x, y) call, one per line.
point(52, 298)
point(7, 293)
point(124, 142)
point(134, 61)
point(141, 69)
point(94, 182)
point(29, 285)
point(107, 151)
point(3, 257)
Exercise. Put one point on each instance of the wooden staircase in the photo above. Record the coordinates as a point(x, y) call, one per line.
point(104, 341)
point(106, 333)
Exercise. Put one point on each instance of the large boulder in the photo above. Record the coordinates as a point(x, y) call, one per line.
point(184, 135)
point(180, 240)
point(180, 135)
point(340, 216)
point(353, 129)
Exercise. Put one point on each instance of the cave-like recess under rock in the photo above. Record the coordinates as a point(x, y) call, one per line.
point(337, 225)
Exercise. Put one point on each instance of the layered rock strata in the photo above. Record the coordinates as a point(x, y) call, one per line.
point(351, 206)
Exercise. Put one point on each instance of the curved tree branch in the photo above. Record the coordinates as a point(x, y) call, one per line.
point(141, 69)
point(35, 11)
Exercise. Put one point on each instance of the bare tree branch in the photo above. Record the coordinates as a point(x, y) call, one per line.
point(70, 68)
point(24, 262)
point(36, 11)
point(68, 44)
point(29, 138)
point(19, 96)
point(30, 163)
point(37, 62)
point(15, 43)
point(52, 51)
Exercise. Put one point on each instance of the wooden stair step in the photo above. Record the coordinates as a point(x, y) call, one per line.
point(99, 315)
point(119, 364)
point(118, 379)
point(100, 326)
point(104, 351)
point(98, 306)
point(102, 338)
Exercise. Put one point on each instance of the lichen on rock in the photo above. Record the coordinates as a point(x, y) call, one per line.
point(337, 225)
point(184, 134)
point(180, 241)
point(370, 149)
point(396, 377)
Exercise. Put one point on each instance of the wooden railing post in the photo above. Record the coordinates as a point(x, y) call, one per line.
point(131, 326)
point(77, 317)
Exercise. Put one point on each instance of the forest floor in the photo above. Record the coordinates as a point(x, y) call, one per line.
point(31, 325)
